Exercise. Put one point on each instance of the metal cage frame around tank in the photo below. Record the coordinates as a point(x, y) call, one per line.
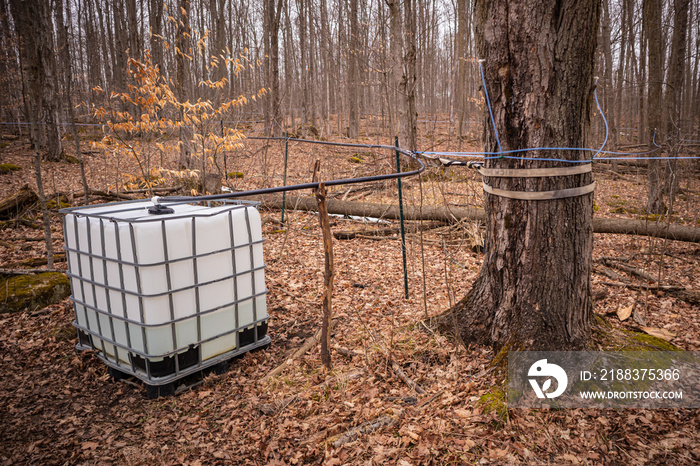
point(179, 355)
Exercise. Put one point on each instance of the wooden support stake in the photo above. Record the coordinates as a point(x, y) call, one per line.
point(327, 275)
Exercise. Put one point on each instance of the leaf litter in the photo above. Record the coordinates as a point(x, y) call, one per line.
point(61, 407)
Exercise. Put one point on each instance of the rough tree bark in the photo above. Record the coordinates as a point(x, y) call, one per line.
point(674, 96)
point(395, 54)
point(273, 11)
point(155, 8)
point(36, 51)
point(651, 14)
point(461, 63)
point(403, 65)
point(533, 290)
point(407, 86)
point(354, 78)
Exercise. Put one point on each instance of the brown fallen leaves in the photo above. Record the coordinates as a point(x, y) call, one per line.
point(60, 406)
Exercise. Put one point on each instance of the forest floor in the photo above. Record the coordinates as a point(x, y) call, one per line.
point(60, 406)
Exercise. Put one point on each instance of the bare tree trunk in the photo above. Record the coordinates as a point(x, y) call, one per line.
point(608, 96)
point(641, 83)
point(674, 96)
point(652, 23)
point(461, 63)
point(184, 81)
point(68, 79)
point(271, 36)
point(407, 88)
point(396, 54)
point(533, 291)
point(156, 21)
point(36, 46)
point(118, 44)
point(105, 50)
point(354, 75)
point(35, 34)
point(135, 47)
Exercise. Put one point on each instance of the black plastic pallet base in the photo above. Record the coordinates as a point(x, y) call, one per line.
point(185, 383)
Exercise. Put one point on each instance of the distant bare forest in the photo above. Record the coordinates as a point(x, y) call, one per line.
point(330, 64)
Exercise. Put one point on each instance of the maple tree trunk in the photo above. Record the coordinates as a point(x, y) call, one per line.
point(36, 51)
point(533, 290)
point(652, 25)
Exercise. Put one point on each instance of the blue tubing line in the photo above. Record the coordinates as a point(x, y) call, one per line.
point(514, 151)
point(488, 103)
point(607, 130)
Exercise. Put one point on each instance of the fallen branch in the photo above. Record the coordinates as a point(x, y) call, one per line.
point(308, 344)
point(407, 380)
point(608, 273)
point(346, 352)
point(678, 292)
point(111, 196)
point(600, 225)
point(345, 234)
point(390, 419)
point(631, 270)
point(395, 367)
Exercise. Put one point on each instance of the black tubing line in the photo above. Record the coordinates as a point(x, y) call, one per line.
point(297, 187)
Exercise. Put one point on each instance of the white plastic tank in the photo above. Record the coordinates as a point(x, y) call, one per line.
point(162, 291)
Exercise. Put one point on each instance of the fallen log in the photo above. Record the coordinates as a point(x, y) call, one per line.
point(453, 214)
point(14, 205)
point(362, 209)
point(646, 228)
point(36, 261)
point(346, 234)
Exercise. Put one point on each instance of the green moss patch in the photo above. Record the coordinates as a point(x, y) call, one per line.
point(32, 292)
point(494, 401)
point(55, 204)
point(6, 168)
point(230, 175)
point(608, 338)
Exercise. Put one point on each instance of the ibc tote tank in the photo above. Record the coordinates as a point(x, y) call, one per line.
point(161, 292)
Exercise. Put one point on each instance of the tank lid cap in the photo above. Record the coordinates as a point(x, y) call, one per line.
point(160, 209)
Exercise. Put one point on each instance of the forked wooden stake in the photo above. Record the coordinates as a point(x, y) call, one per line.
point(328, 273)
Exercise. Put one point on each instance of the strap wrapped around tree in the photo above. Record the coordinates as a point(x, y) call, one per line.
point(533, 291)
